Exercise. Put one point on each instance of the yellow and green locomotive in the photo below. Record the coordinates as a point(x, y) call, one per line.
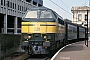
point(42, 30)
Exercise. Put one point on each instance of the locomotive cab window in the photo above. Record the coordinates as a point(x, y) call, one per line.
point(60, 21)
point(39, 14)
point(46, 14)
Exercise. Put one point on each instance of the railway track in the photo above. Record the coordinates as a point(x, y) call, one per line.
point(42, 57)
point(25, 56)
point(15, 56)
point(49, 58)
point(37, 57)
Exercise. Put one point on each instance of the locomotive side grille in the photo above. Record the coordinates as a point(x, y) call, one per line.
point(46, 25)
point(46, 44)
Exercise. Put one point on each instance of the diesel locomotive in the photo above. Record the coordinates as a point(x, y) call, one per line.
point(43, 30)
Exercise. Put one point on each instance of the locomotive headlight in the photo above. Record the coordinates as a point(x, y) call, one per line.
point(44, 37)
point(29, 37)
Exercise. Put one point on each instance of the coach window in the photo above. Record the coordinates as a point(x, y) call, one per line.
point(70, 28)
point(75, 30)
point(79, 17)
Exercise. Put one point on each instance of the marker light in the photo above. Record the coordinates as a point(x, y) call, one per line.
point(25, 36)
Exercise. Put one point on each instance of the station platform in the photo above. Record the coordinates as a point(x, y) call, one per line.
point(75, 51)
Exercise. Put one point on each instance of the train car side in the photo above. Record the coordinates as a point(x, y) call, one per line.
point(75, 32)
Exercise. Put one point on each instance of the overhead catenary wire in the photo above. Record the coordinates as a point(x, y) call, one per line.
point(60, 7)
point(81, 5)
point(63, 8)
point(65, 4)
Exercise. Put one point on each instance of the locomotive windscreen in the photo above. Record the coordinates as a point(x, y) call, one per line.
point(38, 14)
point(31, 14)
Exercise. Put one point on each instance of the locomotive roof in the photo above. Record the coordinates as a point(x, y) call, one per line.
point(39, 8)
point(45, 8)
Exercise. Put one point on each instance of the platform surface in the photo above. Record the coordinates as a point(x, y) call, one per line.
point(77, 51)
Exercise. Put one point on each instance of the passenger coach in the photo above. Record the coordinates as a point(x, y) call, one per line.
point(74, 32)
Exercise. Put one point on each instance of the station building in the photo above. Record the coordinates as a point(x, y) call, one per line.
point(11, 12)
point(79, 14)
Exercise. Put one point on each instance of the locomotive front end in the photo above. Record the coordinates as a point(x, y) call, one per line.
point(38, 39)
point(38, 31)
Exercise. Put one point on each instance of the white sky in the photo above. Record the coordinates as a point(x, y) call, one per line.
point(66, 5)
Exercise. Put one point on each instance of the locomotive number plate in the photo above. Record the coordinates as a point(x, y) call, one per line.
point(36, 29)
